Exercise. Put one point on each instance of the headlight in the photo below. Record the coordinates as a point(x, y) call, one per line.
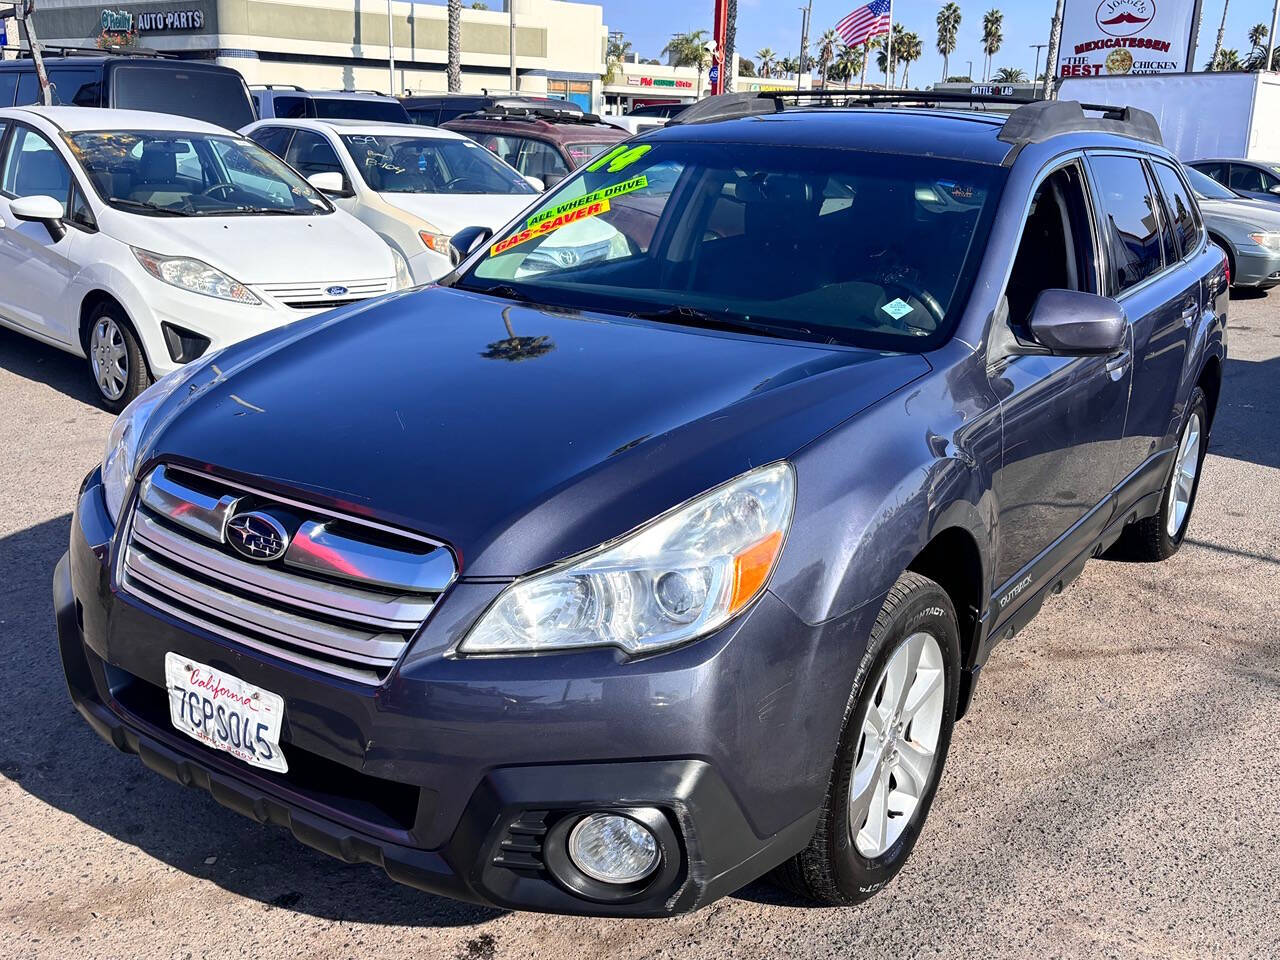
point(438, 242)
point(121, 454)
point(1270, 240)
point(404, 279)
point(194, 275)
point(676, 578)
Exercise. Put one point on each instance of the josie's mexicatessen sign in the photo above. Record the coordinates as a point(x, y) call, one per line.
point(1117, 37)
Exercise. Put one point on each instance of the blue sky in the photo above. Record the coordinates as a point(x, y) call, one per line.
point(776, 23)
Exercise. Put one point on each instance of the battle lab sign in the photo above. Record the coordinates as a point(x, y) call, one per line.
point(1118, 37)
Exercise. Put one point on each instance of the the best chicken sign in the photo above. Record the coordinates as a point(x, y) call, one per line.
point(1115, 37)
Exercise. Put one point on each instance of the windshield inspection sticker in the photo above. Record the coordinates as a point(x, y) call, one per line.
point(605, 193)
point(897, 309)
point(547, 226)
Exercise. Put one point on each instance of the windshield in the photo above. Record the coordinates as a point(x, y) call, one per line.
point(413, 164)
point(580, 153)
point(1207, 188)
point(354, 108)
point(191, 175)
point(824, 244)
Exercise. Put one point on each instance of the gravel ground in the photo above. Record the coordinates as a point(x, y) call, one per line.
point(1113, 794)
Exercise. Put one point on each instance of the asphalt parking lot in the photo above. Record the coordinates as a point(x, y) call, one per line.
point(1114, 793)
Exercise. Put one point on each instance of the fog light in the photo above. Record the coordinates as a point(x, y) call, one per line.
point(613, 849)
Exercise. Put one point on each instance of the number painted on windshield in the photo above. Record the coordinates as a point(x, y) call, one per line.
point(619, 158)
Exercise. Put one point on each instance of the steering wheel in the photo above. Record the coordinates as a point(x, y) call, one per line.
point(908, 294)
point(226, 188)
point(450, 185)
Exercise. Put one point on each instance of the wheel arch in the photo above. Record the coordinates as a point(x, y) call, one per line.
point(1210, 381)
point(1227, 248)
point(953, 560)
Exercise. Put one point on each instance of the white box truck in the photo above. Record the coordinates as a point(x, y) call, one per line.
point(1200, 114)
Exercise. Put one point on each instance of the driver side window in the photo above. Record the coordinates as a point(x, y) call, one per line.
point(1057, 247)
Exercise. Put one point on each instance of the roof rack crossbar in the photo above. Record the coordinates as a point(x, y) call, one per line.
point(1033, 121)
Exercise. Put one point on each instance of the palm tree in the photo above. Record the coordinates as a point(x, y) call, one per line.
point(730, 46)
point(455, 46)
point(849, 60)
point(866, 57)
point(1010, 75)
point(911, 51)
point(1217, 44)
point(827, 53)
point(1258, 34)
point(687, 50)
point(789, 66)
point(948, 30)
point(891, 53)
point(1226, 60)
point(992, 37)
point(766, 56)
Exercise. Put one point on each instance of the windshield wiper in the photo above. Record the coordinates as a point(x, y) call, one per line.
point(693, 317)
point(145, 205)
point(502, 290)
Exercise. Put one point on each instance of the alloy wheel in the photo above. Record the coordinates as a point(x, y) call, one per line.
point(109, 357)
point(1182, 485)
point(898, 745)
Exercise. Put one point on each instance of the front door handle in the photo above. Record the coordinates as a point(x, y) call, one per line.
point(1118, 363)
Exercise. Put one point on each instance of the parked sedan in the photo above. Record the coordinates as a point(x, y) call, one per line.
point(143, 241)
point(413, 186)
point(1254, 179)
point(1248, 230)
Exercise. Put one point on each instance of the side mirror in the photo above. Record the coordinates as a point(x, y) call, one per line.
point(1275, 189)
point(330, 183)
point(466, 241)
point(41, 209)
point(1074, 324)
point(536, 184)
point(551, 179)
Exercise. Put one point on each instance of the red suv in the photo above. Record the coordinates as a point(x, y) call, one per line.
point(545, 143)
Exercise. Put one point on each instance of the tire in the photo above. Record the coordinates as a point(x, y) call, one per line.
point(116, 362)
point(846, 863)
point(1157, 538)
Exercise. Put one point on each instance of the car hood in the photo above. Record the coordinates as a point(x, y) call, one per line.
point(1251, 213)
point(451, 212)
point(271, 249)
point(519, 435)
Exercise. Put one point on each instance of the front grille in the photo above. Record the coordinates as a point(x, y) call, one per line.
point(345, 596)
point(316, 296)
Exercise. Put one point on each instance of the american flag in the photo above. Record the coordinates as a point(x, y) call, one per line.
point(866, 23)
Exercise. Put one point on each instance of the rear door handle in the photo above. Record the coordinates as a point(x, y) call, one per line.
point(1190, 312)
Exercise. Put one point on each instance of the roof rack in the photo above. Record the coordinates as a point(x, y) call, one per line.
point(274, 86)
point(1033, 121)
point(111, 50)
point(500, 111)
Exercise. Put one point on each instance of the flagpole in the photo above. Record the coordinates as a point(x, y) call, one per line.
point(888, 49)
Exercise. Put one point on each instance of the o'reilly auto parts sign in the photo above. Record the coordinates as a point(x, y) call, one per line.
point(1116, 37)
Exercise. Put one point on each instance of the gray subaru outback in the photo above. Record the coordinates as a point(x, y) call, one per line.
point(662, 544)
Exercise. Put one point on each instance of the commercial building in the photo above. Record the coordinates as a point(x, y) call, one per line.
point(634, 84)
point(343, 44)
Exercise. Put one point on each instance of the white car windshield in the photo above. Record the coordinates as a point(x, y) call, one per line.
point(191, 175)
point(410, 164)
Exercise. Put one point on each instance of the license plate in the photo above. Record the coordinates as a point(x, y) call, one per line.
point(225, 713)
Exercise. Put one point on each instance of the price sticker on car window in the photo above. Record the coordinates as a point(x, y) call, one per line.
point(897, 309)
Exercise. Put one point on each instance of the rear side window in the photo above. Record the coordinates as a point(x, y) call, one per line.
point(425, 117)
point(8, 87)
point(28, 90)
point(290, 107)
point(1177, 201)
point(215, 96)
point(76, 86)
point(1218, 171)
point(310, 153)
point(1131, 224)
point(273, 139)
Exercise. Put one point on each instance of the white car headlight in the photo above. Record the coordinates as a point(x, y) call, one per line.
point(1270, 240)
point(404, 279)
point(678, 577)
point(194, 275)
point(121, 455)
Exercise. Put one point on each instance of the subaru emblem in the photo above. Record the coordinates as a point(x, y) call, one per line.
point(258, 536)
point(336, 291)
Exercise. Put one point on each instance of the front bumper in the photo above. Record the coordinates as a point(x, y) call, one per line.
point(1256, 267)
point(436, 772)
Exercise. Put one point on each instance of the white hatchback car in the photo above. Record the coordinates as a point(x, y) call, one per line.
point(143, 241)
point(414, 186)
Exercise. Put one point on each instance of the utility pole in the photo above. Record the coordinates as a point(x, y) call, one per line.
point(805, 13)
point(511, 13)
point(1271, 37)
point(1035, 75)
point(22, 12)
point(1055, 41)
point(391, 50)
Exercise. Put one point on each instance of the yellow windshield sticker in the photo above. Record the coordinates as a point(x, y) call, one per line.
point(547, 226)
point(605, 193)
point(619, 158)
